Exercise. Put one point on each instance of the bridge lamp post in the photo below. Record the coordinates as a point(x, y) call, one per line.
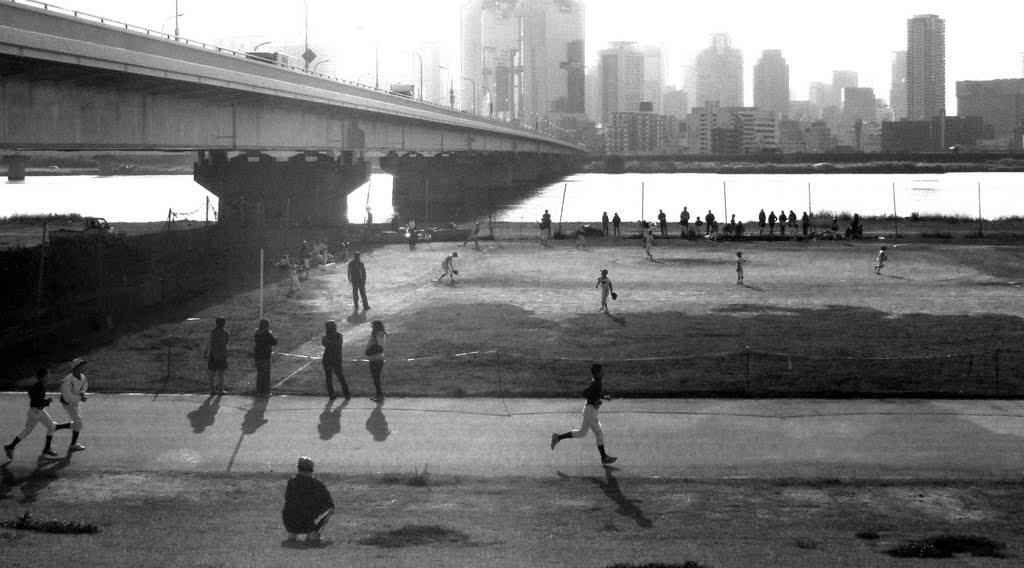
point(472, 82)
point(319, 63)
point(177, 31)
point(420, 57)
point(451, 86)
point(259, 45)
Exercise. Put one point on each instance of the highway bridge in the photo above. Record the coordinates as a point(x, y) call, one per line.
point(274, 140)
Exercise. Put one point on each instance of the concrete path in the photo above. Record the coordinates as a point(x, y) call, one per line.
point(510, 437)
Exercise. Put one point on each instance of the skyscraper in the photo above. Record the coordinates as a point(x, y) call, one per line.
point(898, 87)
point(926, 67)
point(622, 79)
point(554, 83)
point(654, 81)
point(841, 80)
point(720, 73)
point(771, 82)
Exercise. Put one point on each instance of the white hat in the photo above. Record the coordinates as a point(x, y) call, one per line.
point(78, 361)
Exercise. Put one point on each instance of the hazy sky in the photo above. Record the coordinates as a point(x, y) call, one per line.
point(983, 37)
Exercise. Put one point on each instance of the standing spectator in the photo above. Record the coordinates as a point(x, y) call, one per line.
point(591, 421)
point(684, 221)
point(615, 223)
point(605, 284)
point(604, 224)
point(663, 223)
point(448, 267)
point(72, 394)
point(709, 219)
point(760, 223)
point(792, 219)
point(410, 229)
point(375, 355)
point(474, 236)
point(369, 225)
point(782, 222)
point(543, 235)
point(771, 223)
point(649, 243)
point(293, 275)
point(732, 224)
point(305, 255)
point(545, 222)
point(740, 261)
point(263, 341)
point(331, 360)
point(698, 225)
point(357, 278)
point(217, 355)
point(880, 260)
point(307, 504)
point(37, 403)
point(805, 222)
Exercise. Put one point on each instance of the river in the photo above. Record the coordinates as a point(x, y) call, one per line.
point(586, 196)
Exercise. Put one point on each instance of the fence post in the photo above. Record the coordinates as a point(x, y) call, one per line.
point(997, 372)
point(169, 339)
point(748, 369)
point(497, 355)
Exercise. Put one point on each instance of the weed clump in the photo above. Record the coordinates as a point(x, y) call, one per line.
point(27, 523)
point(945, 546)
point(415, 535)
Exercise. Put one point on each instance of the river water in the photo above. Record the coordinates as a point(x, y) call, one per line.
point(586, 196)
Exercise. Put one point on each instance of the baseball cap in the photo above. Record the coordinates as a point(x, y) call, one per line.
point(305, 464)
point(78, 361)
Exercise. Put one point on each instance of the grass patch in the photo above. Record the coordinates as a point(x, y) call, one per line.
point(687, 564)
point(946, 546)
point(867, 535)
point(415, 535)
point(418, 478)
point(27, 523)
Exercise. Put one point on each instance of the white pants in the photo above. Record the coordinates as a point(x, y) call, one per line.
point(590, 422)
point(75, 413)
point(37, 416)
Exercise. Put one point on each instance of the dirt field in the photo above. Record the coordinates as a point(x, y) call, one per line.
point(148, 519)
point(812, 317)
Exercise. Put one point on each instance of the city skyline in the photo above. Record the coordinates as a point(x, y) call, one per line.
point(981, 40)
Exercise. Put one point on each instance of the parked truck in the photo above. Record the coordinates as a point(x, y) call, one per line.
point(89, 227)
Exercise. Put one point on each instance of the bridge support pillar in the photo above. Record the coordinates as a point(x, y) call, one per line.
point(16, 167)
point(466, 185)
point(307, 189)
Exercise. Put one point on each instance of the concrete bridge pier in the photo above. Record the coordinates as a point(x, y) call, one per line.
point(466, 185)
point(309, 189)
point(16, 167)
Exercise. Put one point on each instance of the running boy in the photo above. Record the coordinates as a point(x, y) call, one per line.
point(594, 396)
point(880, 260)
point(37, 403)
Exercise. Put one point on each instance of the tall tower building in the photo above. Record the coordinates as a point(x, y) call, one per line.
point(654, 78)
point(492, 56)
point(771, 82)
point(622, 79)
point(926, 67)
point(898, 87)
point(719, 73)
point(842, 80)
point(554, 82)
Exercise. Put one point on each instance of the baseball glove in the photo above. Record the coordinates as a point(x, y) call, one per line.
point(615, 296)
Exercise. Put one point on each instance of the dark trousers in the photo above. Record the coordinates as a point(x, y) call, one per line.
point(357, 291)
point(335, 369)
point(376, 369)
point(616, 229)
point(262, 377)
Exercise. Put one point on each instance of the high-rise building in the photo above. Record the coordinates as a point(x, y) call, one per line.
point(841, 80)
point(622, 79)
point(898, 87)
point(720, 73)
point(593, 104)
point(523, 57)
point(999, 103)
point(771, 82)
point(654, 77)
point(926, 67)
point(859, 104)
point(676, 104)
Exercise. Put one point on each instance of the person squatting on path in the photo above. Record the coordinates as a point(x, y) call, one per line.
point(594, 395)
point(37, 403)
point(740, 261)
point(448, 267)
point(263, 341)
point(357, 277)
point(605, 284)
point(880, 260)
point(217, 356)
point(72, 395)
point(375, 355)
point(331, 360)
point(307, 504)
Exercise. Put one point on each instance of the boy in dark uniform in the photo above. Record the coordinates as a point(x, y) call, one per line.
point(37, 403)
point(594, 395)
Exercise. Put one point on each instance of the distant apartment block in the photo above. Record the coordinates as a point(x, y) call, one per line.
point(622, 79)
point(898, 85)
point(1000, 104)
point(637, 133)
point(771, 82)
point(719, 73)
point(935, 135)
point(732, 130)
point(926, 67)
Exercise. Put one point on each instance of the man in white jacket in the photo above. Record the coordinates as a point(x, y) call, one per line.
point(72, 394)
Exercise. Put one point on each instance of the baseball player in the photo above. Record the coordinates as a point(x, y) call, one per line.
point(37, 403)
point(474, 237)
point(448, 267)
point(307, 504)
point(72, 394)
point(740, 261)
point(594, 396)
point(605, 284)
point(880, 260)
point(649, 243)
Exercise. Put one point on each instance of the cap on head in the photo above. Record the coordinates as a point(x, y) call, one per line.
point(305, 464)
point(604, 272)
point(455, 254)
point(356, 254)
point(77, 362)
point(595, 368)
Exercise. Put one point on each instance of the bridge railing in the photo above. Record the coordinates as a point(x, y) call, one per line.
point(561, 135)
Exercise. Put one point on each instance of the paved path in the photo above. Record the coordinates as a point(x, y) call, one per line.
point(510, 437)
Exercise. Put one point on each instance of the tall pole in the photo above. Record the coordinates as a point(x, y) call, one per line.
point(420, 57)
point(376, 62)
point(642, 218)
point(895, 219)
point(306, 4)
point(725, 203)
point(177, 31)
point(261, 283)
point(565, 186)
point(979, 209)
point(810, 211)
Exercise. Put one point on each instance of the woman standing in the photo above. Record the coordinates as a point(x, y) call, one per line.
point(375, 353)
point(332, 359)
point(264, 340)
point(217, 356)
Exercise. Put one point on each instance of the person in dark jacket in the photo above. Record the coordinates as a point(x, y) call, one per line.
point(217, 355)
point(616, 221)
point(760, 222)
point(771, 222)
point(264, 340)
point(307, 504)
point(357, 277)
point(805, 222)
point(37, 414)
point(332, 342)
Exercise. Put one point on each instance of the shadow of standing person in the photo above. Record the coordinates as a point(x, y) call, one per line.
point(627, 507)
point(205, 415)
point(330, 420)
point(377, 424)
point(44, 474)
point(255, 416)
